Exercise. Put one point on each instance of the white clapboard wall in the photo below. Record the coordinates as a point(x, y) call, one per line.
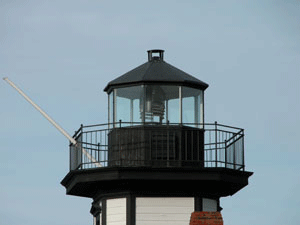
point(156, 211)
point(163, 211)
point(116, 211)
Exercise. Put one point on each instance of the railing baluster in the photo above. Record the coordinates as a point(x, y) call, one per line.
point(216, 145)
point(225, 153)
point(234, 162)
point(243, 153)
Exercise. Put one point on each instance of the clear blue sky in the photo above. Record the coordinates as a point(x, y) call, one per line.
point(63, 53)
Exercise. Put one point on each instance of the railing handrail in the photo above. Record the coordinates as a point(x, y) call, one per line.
point(235, 135)
point(156, 123)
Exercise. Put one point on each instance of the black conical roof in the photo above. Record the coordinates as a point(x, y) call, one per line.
point(156, 70)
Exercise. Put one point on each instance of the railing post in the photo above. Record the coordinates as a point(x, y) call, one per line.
point(99, 151)
point(70, 156)
point(80, 156)
point(81, 127)
point(216, 142)
point(225, 153)
point(243, 150)
point(80, 148)
point(234, 162)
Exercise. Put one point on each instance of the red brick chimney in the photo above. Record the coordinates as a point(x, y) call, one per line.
point(206, 218)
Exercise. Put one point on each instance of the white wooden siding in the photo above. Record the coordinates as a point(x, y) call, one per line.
point(210, 205)
point(116, 211)
point(163, 211)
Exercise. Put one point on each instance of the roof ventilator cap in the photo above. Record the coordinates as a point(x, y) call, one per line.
point(155, 55)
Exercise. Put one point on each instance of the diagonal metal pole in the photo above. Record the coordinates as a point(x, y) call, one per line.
point(59, 128)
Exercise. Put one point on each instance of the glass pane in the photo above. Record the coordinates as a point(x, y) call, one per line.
point(154, 104)
point(173, 111)
point(161, 104)
point(123, 109)
point(128, 104)
point(136, 111)
point(192, 106)
point(188, 110)
point(172, 104)
point(201, 99)
point(111, 107)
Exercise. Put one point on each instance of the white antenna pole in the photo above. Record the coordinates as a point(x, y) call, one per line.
point(71, 139)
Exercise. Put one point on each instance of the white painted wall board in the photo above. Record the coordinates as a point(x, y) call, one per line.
point(116, 211)
point(163, 211)
point(163, 223)
point(164, 201)
point(157, 209)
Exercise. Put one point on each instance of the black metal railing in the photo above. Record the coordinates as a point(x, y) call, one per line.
point(209, 145)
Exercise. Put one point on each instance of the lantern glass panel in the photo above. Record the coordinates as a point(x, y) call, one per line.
point(192, 106)
point(111, 108)
point(172, 104)
point(161, 104)
point(127, 104)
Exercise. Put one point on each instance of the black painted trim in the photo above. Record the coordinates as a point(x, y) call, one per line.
point(144, 194)
point(219, 206)
point(92, 183)
point(95, 209)
point(104, 210)
point(130, 210)
point(198, 204)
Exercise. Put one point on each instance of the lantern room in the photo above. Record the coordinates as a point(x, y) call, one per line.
point(151, 112)
point(158, 93)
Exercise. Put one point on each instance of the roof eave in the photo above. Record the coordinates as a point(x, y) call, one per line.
point(201, 86)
